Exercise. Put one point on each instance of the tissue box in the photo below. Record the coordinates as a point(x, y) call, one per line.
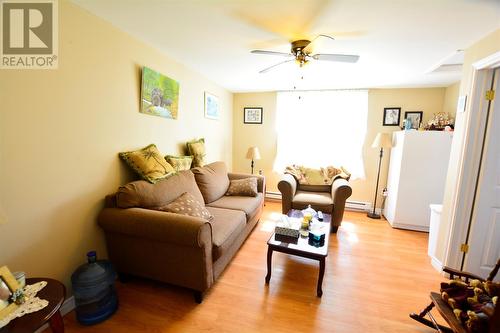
point(284, 231)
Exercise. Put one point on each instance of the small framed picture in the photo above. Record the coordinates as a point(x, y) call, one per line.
point(252, 115)
point(415, 118)
point(391, 116)
point(211, 106)
point(11, 293)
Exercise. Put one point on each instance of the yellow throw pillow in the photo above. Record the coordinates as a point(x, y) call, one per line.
point(187, 204)
point(243, 187)
point(148, 163)
point(196, 148)
point(180, 163)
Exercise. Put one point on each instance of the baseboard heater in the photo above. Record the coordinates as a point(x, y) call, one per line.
point(358, 206)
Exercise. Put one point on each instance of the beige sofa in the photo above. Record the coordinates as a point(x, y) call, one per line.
point(179, 249)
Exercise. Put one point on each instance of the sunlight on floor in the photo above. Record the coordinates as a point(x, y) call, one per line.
point(349, 232)
point(269, 224)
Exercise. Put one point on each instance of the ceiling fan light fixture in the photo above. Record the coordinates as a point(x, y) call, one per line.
point(302, 52)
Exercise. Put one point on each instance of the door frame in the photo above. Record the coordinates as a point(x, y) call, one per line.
point(475, 126)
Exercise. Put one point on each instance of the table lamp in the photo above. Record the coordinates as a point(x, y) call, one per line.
point(382, 140)
point(253, 154)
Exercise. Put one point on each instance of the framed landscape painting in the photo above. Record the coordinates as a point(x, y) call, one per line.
point(159, 94)
point(211, 106)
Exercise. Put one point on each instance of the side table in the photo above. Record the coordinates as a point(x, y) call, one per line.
point(55, 293)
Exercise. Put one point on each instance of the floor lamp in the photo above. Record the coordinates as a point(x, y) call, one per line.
point(382, 140)
point(253, 154)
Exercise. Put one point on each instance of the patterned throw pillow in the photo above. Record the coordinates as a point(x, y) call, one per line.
point(148, 163)
point(196, 148)
point(180, 163)
point(244, 187)
point(187, 204)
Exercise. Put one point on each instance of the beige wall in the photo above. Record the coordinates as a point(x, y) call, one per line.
point(61, 130)
point(451, 98)
point(429, 100)
point(483, 48)
point(261, 135)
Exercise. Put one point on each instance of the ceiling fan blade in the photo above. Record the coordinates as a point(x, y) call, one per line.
point(281, 54)
point(265, 70)
point(308, 48)
point(337, 57)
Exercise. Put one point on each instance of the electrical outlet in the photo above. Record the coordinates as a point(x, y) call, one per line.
point(384, 192)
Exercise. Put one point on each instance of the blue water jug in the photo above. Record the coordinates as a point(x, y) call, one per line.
point(94, 289)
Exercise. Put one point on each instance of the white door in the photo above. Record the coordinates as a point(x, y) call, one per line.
point(484, 236)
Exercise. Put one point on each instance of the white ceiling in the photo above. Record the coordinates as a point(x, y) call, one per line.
point(399, 41)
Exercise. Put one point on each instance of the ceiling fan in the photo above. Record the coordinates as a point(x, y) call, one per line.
point(301, 53)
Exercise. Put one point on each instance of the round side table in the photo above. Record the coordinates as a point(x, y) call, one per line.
point(54, 292)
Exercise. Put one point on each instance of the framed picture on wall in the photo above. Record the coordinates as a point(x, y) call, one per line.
point(391, 116)
point(415, 117)
point(211, 106)
point(252, 115)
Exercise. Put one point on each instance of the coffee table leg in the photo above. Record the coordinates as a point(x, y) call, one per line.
point(319, 290)
point(269, 258)
point(56, 323)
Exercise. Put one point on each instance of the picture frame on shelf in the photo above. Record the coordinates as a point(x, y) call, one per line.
point(211, 106)
point(10, 287)
point(252, 115)
point(415, 118)
point(392, 116)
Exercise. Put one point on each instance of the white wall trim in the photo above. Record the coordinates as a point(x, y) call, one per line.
point(490, 62)
point(349, 203)
point(475, 122)
point(438, 266)
point(67, 306)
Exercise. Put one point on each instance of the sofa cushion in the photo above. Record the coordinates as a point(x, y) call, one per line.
point(196, 148)
point(212, 180)
point(319, 198)
point(180, 163)
point(148, 163)
point(227, 226)
point(145, 195)
point(244, 187)
point(187, 204)
point(249, 205)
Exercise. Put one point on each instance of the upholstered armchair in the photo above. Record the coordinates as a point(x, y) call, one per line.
point(329, 199)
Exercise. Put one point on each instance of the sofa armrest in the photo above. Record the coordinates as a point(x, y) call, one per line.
point(287, 186)
point(261, 180)
point(157, 225)
point(341, 191)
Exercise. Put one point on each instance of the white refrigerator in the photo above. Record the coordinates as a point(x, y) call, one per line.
point(417, 176)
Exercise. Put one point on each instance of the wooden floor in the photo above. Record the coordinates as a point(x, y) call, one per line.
point(375, 276)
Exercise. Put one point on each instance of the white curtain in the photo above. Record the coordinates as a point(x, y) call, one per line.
point(321, 128)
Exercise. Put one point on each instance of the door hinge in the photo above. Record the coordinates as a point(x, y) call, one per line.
point(490, 95)
point(464, 248)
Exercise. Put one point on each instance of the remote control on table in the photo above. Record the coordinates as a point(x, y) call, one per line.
point(320, 216)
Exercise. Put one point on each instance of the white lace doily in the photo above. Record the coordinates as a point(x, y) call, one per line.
point(31, 304)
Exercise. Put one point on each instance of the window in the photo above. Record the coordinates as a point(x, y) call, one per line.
point(321, 128)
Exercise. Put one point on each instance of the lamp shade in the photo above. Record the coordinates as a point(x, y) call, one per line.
point(382, 140)
point(253, 153)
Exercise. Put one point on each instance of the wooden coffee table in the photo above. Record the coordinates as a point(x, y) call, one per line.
point(54, 292)
point(301, 249)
